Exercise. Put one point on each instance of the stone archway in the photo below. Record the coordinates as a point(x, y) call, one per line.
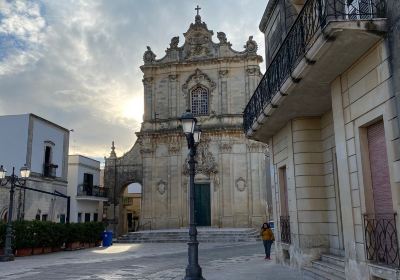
point(129, 208)
point(119, 172)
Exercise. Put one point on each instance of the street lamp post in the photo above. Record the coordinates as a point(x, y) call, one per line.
point(14, 182)
point(193, 133)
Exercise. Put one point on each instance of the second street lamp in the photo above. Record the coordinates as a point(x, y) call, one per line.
point(14, 182)
point(193, 134)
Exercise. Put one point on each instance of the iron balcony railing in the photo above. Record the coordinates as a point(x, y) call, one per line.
point(87, 190)
point(313, 17)
point(285, 229)
point(381, 242)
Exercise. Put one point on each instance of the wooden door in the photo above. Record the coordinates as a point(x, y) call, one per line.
point(202, 205)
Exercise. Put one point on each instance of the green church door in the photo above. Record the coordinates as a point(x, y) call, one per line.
point(202, 205)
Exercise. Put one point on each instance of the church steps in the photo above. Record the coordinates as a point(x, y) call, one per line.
point(329, 267)
point(182, 235)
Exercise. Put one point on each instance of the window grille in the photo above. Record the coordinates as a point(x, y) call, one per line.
point(200, 101)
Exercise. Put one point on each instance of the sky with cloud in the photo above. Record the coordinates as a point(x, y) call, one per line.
point(76, 62)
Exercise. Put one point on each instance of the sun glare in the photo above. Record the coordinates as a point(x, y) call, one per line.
point(133, 109)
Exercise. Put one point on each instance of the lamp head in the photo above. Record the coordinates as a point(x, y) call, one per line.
point(25, 172)
point(188, 122)
point(197, 134)
point(2, 172)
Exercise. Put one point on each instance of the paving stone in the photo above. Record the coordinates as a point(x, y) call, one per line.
point(165, 261)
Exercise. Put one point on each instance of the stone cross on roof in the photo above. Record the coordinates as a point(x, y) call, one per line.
point(197, 9)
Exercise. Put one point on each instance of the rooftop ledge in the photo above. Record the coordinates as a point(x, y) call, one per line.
point(298, 84)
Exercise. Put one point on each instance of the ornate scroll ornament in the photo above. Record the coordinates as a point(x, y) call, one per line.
point(223, 73)
point(241, 184)
point(198, 78)
point(161, 187)
point(149, 56)
point(206, 163)
point(147, 81)
point(185, 185)
point(225, 147)
point(173, 78)
point(252, 71)
point(146, 146)
point(251, 46)
point(216, 181)
point(174, 148)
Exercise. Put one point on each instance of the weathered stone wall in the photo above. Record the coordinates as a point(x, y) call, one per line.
point(305, 149)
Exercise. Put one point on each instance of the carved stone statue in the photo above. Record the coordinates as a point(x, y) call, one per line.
point(149, 56)
point(251, 46)
point(174, 43)
point(222, 38)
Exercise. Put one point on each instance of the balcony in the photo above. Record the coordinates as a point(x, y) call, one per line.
point(327, 37)
point(382, 246)
point(49, 170)
point(87, 192)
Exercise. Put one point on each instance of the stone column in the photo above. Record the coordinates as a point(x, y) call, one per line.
point(172, 95)
point(147, 152)
point(223, 91)
point(148, 98)
point(252, 80)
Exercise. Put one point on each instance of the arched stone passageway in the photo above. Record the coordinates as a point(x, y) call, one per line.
point(129, 206)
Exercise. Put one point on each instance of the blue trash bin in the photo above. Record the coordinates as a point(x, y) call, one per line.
point(107, 238)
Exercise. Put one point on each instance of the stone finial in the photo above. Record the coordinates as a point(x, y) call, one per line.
point(149, 56)
point(113, 154)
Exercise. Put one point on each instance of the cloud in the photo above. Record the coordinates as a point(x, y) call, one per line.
point(77, 62)
point(22, 34)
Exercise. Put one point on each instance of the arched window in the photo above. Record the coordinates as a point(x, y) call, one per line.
point(200, 101)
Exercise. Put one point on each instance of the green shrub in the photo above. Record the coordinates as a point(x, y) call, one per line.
point(58, 234)
point(23, 234)
point(30, 234)
point(2, 234)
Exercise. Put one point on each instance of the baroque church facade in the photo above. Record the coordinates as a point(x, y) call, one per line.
point(214, 82)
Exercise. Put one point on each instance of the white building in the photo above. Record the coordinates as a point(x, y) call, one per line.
point(43, 147)
point(84, 182)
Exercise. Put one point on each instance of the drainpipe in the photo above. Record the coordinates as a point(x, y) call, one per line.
point(393, 10)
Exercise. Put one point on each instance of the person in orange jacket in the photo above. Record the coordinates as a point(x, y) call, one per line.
point(268, 238)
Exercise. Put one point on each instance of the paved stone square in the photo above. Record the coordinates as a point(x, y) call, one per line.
point(149, 261)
